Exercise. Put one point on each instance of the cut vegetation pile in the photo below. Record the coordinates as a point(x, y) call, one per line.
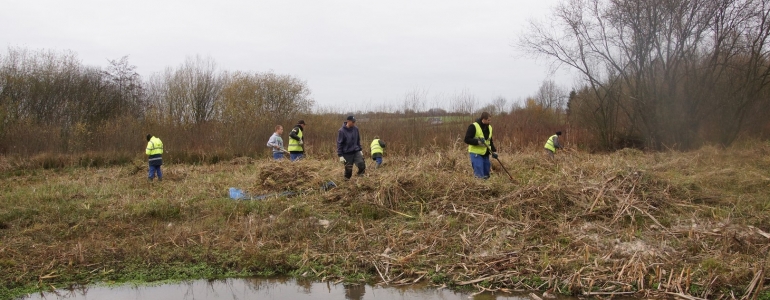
point(629, 222)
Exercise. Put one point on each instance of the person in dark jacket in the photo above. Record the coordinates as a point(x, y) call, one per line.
point(349, 148)
point(297, 141)
point(154, 153)
point(480, 145)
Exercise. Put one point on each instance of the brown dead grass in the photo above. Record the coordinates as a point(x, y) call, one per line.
point(691, 223)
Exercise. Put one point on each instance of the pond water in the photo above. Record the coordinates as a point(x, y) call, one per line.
point(267, 288)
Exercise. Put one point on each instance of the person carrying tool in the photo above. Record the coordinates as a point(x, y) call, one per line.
point(349, 148)
point(276, 143)
point(155, 159)
point(297, 142)
point(377, 147)
point(552, 144)
point(480, 145)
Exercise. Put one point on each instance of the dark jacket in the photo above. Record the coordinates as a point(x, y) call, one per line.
point(155, 160)
point(470, 136)
point(348, 140)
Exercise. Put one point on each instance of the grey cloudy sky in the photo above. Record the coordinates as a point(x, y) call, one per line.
point(352, 54)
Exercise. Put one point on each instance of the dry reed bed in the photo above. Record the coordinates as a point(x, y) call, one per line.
point(689, 224)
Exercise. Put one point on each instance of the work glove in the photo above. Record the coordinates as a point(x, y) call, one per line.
point(301, 142)
point(494, 155)
point(342, 160)
point(481, 141)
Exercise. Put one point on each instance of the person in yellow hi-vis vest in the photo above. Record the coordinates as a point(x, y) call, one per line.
point(480, 145)
point(297, 141)
point(552, 144)
point(377, 147)
point(155, 159)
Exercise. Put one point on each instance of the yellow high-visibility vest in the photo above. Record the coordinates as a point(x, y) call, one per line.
point(549, 144)
point(480, 149)
point(154, 146)
point(294, 144)
point(376, 146)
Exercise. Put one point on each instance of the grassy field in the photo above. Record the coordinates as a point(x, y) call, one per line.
point(652, 224)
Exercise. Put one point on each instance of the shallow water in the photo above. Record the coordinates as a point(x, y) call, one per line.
point(266, 288)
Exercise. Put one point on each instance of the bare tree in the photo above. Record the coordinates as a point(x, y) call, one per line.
point(126, 84)
point(52, 88)
point(655, 67)
point(283, 95)
point(414, 101)
point(500, 104)
point(490, 108)
point(464, 103)
point(189, 94)
point(157, 108)
point(551, 96)
point(264, 96)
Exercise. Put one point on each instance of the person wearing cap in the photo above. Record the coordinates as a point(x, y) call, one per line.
point(377, 147)
point(297, 142)
point(154, 152)
point(349, 148)
point(552, 144)
point(480, 145)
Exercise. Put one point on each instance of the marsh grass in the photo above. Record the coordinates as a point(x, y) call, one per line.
point(651, 223)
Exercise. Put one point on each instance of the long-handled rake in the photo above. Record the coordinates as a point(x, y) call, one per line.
point(501, 164)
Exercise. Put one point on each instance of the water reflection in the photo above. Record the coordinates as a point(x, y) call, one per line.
point(263, 288)
point(355, 292)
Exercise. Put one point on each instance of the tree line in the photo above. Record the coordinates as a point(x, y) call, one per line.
point(658, 74)
point(662, 74)
point(51, 102)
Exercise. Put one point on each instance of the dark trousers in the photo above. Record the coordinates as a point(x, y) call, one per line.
point(549, 153)
point(155, 170)
point(296, 156)
point(358, 160)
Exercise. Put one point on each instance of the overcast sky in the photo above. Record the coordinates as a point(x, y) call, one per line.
point(352, 54)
